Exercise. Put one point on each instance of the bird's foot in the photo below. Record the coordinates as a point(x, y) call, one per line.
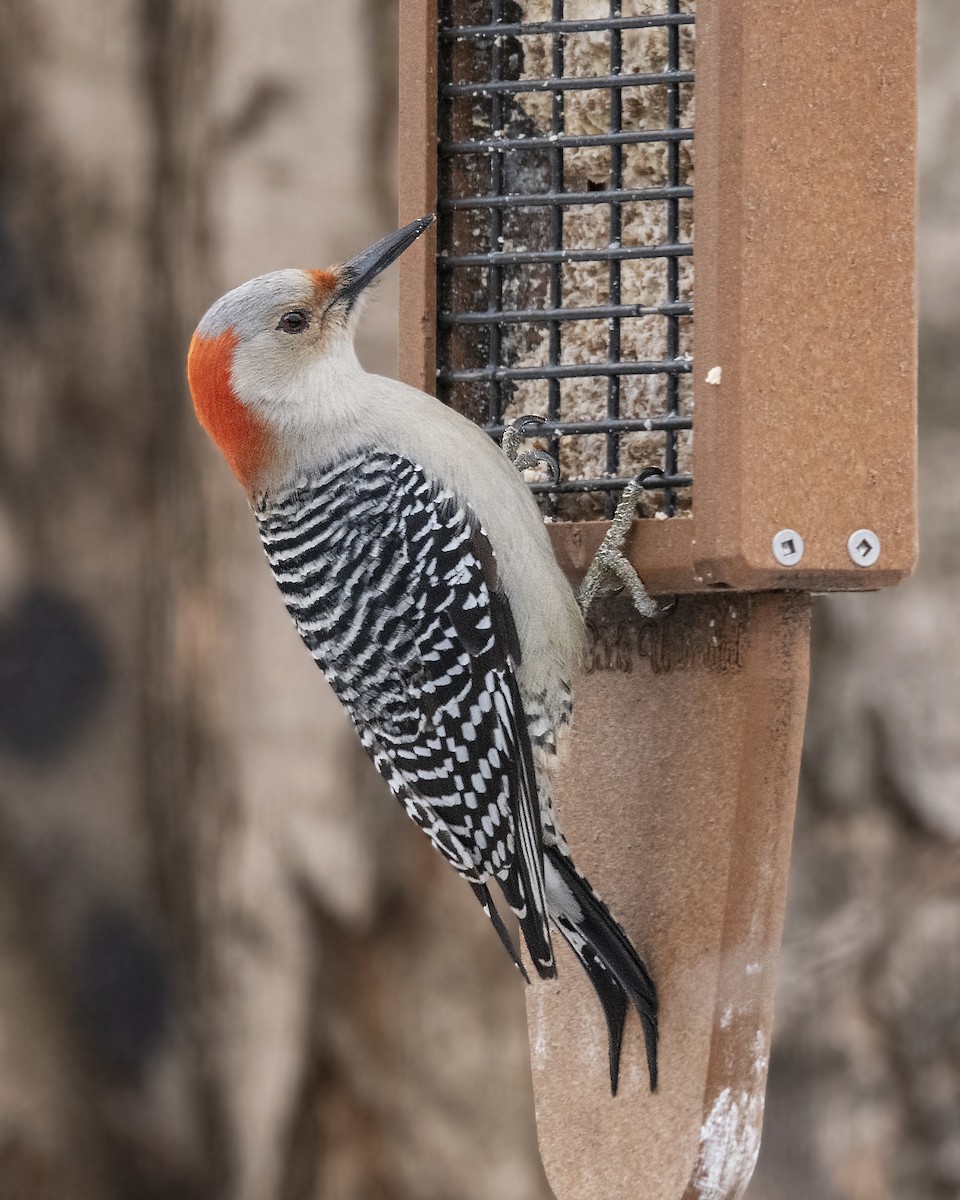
point(510, 443)
point(610, 566)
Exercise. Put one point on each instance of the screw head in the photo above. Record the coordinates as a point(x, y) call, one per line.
point(787, 547)
point(863, 546)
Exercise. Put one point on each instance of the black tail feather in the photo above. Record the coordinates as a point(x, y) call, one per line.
point(482, 893)
point(536, 934)
point(614, 968)
point(612, 997)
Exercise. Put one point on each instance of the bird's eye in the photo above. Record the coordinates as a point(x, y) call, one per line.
point(295, 321)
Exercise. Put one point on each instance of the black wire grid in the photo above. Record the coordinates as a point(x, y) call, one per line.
point(508, 183)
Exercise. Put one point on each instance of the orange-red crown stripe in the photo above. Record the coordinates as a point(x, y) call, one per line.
point(324, 281)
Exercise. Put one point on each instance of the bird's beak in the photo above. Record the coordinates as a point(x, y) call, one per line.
point(359, 271)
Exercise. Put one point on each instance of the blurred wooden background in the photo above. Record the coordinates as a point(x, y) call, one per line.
point(228, 967)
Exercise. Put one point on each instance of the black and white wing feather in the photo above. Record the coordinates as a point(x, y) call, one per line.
point(393, 587)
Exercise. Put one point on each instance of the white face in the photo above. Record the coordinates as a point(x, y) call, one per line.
point(286, 340)
point(294, 346)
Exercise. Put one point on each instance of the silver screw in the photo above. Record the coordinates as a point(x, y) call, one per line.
point(863, 546)
point(787, 547)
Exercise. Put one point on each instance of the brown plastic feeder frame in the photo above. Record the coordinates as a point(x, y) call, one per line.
point(679, 791)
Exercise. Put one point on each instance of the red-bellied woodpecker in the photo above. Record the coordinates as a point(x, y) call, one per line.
point(417, 569)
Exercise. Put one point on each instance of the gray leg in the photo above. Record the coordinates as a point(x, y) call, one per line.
point(512, 438)
point(610, 566)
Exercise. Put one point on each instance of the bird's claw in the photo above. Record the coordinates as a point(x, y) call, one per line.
point(513, 435)
point(610, 566)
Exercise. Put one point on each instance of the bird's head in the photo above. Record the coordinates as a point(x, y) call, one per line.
point(268, 353)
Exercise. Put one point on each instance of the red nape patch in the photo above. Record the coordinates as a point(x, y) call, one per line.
point(323, 282)
point(243, 440)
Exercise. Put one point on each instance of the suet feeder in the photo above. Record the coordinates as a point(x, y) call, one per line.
point(682, 231)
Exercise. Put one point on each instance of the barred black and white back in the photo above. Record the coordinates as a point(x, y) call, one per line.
point(395, 590)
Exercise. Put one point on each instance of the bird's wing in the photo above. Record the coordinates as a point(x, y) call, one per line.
point(393, 587)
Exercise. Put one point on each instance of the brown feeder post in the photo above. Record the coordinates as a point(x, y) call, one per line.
point(678, 794)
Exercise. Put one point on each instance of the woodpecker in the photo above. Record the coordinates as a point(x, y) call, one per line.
point(418, 572)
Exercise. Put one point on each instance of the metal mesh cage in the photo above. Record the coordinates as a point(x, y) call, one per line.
point(565, 235)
